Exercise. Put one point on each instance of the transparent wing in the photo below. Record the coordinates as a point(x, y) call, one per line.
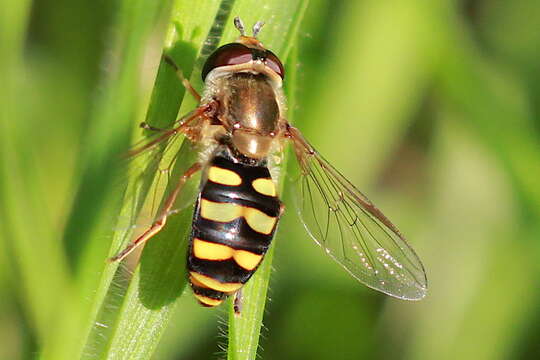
point(353, 231)
point(151, 166)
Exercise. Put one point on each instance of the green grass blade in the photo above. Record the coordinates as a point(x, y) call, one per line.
point(146, 301)
point(244, 329)
point(156, 285)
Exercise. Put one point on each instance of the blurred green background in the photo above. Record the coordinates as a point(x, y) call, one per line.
point(430, 108)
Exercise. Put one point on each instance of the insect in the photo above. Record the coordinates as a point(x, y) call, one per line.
point(238, 127)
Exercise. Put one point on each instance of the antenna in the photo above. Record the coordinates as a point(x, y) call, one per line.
point(257, 28)
point(239, 25)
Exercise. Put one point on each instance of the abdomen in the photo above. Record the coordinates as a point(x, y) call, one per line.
point(233, 225)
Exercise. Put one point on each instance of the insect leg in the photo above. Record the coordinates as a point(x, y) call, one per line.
point(185, 125)
point(162, 218)
point(180, 75)
point(146, 126)
point(238, 300)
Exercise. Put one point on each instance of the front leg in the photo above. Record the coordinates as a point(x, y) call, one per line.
point(184, 81)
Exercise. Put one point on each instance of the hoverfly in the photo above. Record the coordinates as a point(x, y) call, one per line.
point(238, 126)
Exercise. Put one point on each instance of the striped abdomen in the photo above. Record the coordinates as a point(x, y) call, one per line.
point(234, 222)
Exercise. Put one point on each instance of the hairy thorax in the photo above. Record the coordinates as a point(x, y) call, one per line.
point(251, 112)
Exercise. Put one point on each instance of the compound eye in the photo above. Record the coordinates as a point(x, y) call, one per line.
point(229, 54)
point(273, 63)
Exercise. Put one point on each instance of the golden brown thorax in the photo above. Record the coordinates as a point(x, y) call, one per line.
point(252, 113)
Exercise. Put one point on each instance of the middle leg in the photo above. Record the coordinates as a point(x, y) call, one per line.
point(162, 218)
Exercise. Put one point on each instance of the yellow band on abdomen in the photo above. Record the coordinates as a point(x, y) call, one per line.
point(264, 186)
point(247, 259)
point(207, 301)
point(220, 212)
point(211, 251)
point(259, 221)
point(214, 284)
point(224, 176)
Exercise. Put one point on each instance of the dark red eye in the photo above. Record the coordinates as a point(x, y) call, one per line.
point(273, 63)
point(230, 54)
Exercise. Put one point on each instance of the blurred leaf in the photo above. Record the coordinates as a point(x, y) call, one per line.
point(466, 280)
point(494, 108)
point(28, 232)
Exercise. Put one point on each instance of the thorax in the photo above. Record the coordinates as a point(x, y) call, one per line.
point(250, 109)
